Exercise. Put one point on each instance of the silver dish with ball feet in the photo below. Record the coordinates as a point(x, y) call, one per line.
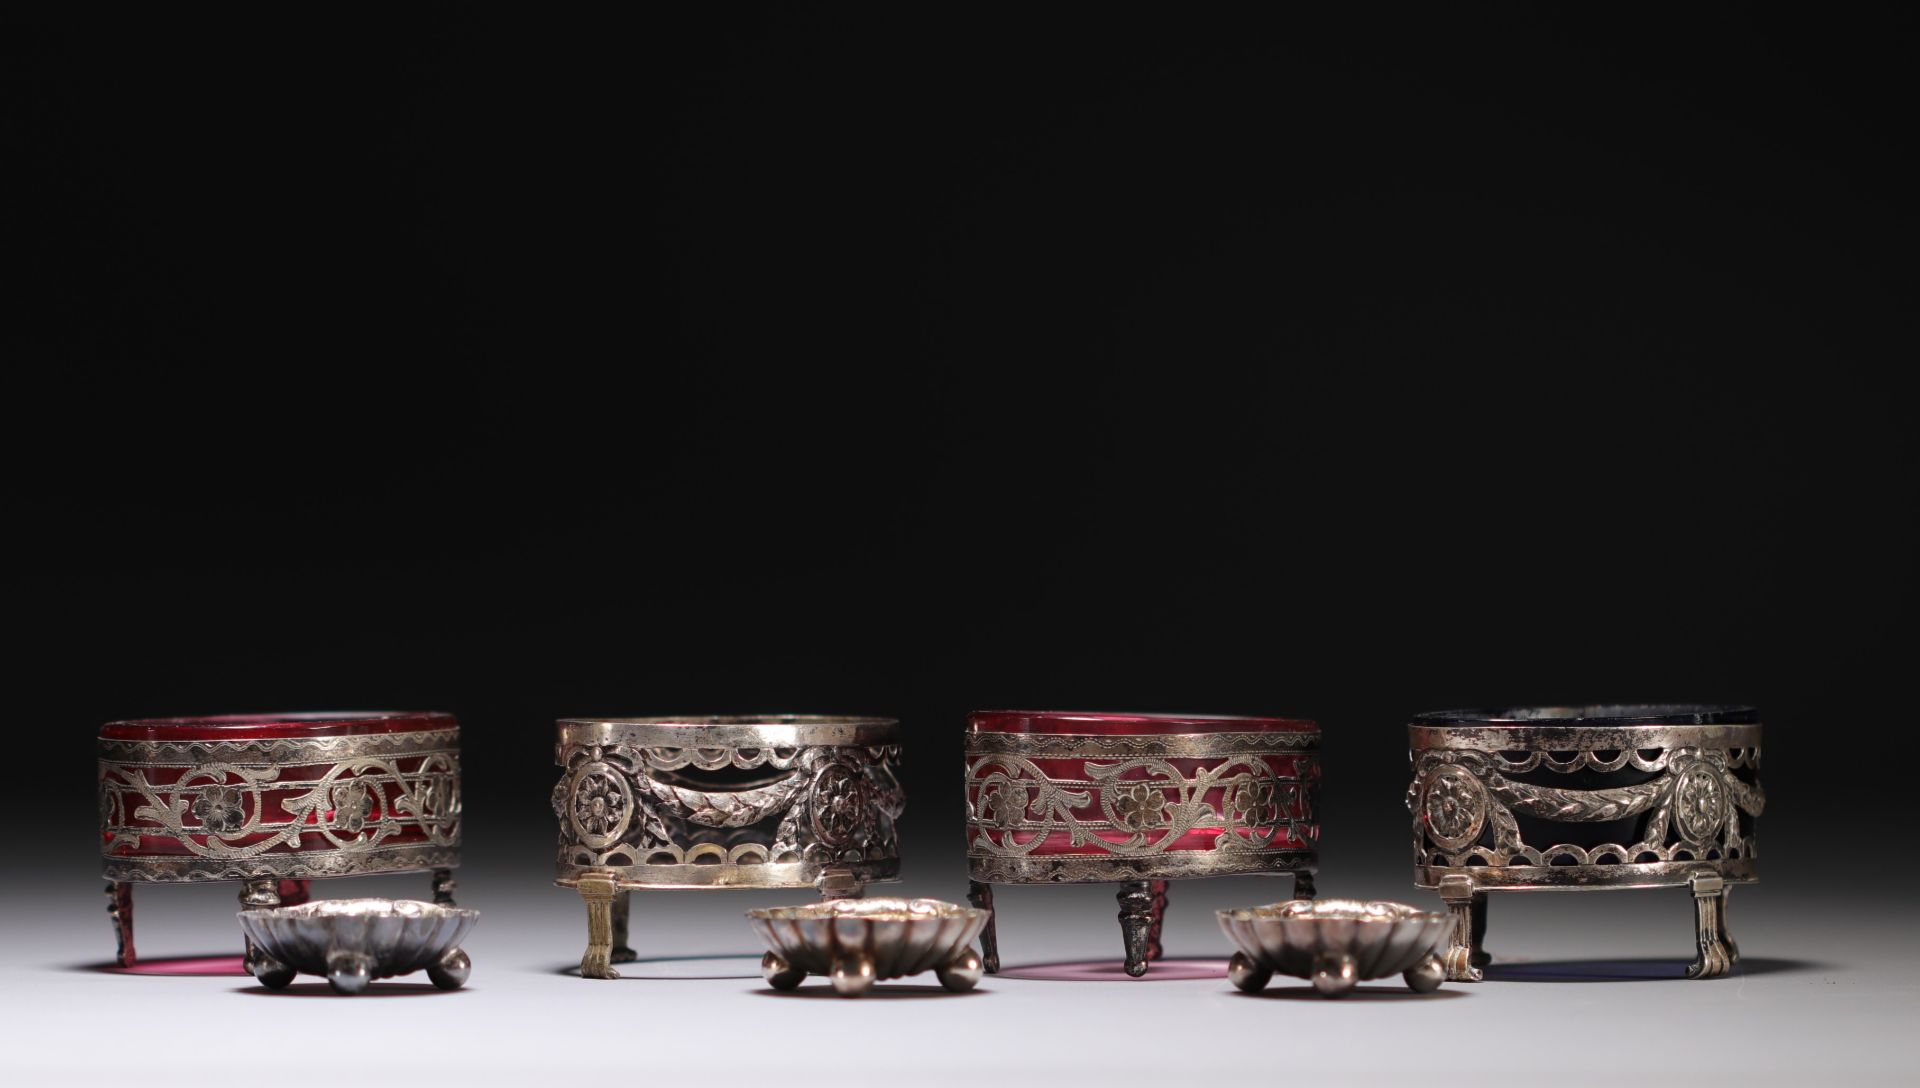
point(856, 942)
point(354, 941)
point(1337, 943)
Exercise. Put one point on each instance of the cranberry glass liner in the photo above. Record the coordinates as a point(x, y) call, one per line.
point(290, 796)
point(1059, 797)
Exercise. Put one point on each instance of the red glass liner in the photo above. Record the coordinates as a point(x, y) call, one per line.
point(1271, 792)
point(275, 800)
point(1083, 797)
point(271, 799)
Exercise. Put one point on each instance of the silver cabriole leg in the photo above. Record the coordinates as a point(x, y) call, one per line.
point(839, 884)
point(622, 910)
point(120, 912)
point(1303, 885)
point(1157, 919)
point(1136, 917)
point(1458, 893)
point(1726, 938)
point(260, 893)
point(1718, 953)
point(1478, 936)
point(980, 894)
point(443, 886)
point(597, 889)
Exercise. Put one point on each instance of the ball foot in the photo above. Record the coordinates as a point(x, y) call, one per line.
point(1425, 977)
point(349, 973)
point(780, 974)
point(450, 971)
point(1335, 976)
point(1246, 975)
point(270, 972)
point(963, 973)
point(852, 976)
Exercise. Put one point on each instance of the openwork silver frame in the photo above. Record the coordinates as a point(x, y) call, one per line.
point(1144, 863)
point(396, 781)
point(1685, 774)
point(813, 805)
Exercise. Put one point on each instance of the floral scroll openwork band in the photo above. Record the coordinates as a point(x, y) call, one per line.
point(291, 808)
point(1062, 808)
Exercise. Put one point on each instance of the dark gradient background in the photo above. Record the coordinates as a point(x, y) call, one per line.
point(841, 360)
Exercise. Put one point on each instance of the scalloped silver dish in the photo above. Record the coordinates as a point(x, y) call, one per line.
point(354, 941)
point(1336, 943)
point(855, 942)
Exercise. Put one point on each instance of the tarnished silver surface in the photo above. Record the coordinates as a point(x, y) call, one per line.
point(1127, 805)
point(781, 801)
point(1146, 804)
point(856, 942)
point(183, 801)
point(706, 741)
point(1677, 788)
point(354, 941)
point(727, 802)
point(292, 808)
point(1337, 943)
